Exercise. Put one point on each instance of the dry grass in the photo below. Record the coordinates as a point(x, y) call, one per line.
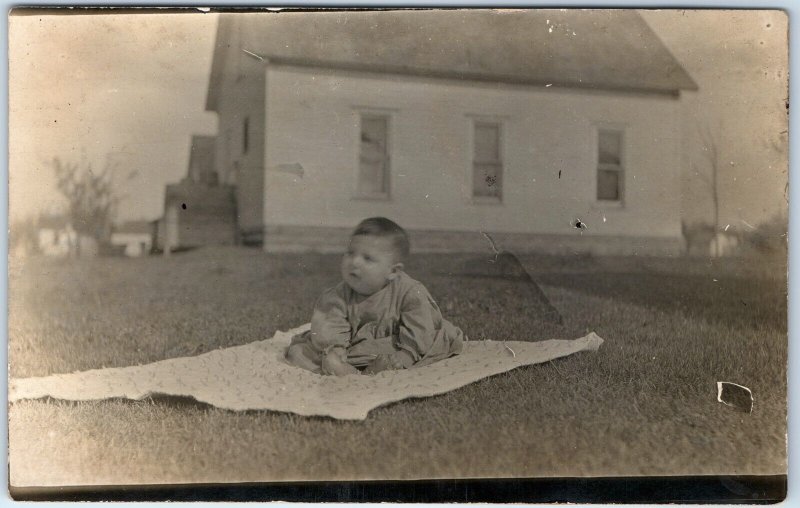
point(645, 404)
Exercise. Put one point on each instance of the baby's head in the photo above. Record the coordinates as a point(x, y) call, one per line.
point(375, 255)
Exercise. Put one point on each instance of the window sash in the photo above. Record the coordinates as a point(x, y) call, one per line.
point(487, 164)
point(610, 179)
point(487, 180)
point(609, 146)
point(487, 142)
point(373, 161)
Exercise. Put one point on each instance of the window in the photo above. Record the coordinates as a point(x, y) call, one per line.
point(609, 165)
point(246, 135)
point(373, 164)
point(487, 166)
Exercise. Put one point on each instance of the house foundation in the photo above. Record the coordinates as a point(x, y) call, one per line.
point(333, 240)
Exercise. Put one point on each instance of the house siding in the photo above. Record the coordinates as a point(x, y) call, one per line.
point(548, 152)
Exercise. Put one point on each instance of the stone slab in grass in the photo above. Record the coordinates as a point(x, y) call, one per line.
point(255, 376)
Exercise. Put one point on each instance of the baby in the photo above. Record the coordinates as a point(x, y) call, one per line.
point(378, 318)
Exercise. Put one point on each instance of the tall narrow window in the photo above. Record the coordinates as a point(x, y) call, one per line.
point(487, 164)
point(609, 165)
point(246, 135)
point(373, 167)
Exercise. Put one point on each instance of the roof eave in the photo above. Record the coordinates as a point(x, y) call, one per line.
point(478, 76)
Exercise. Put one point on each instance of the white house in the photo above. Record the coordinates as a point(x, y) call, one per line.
point(516, 123)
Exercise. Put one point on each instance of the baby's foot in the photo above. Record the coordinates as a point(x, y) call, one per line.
point(382, 362)
point(333, 364)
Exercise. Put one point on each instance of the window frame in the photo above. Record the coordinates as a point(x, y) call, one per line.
point(388, 115)
point(473, 122)
point(620, 168)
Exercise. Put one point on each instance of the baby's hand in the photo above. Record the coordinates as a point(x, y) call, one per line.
point(381, 363)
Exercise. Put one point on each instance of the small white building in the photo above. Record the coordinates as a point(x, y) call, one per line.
point(57, 242)
point(724, 244)
point(515, 123)
point(136, 238)
point(56, 236)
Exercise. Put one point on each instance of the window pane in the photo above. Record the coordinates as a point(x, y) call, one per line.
point(487, 142)
point(370, 179)
point(609, 147)
point(608, 184)
point(373, 131)
point(487, 180)
point(374, 160)
point(487, 168)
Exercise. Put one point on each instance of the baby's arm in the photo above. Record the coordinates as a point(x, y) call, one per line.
point(324, 348)
point(329, 325)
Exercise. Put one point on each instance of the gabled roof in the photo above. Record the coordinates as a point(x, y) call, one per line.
point(598, 49)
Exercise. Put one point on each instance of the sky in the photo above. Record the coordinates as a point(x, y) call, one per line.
point(132, 88)
point(83, 87)
point(739, 59)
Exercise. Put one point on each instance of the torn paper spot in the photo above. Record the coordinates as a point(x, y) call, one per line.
point(259, 57)
point(737, 396)
point(492, 244)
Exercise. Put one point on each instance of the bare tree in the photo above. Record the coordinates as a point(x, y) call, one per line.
point(92, 196)
point(711, 180)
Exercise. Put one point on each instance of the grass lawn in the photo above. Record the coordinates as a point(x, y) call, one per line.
point(645, 404)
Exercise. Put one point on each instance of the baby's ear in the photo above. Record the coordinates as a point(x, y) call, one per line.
point(396, 269)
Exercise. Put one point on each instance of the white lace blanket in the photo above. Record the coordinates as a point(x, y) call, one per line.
point(255, 376)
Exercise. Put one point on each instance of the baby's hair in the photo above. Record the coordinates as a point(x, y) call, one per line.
point(385, 228)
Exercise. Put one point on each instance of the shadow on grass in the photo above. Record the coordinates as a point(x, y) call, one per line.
point(185, 402)
point(732, 301)
point(182, 402)
point(163, 399)
point(721, 296)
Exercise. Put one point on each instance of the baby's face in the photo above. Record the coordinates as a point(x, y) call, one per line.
point(369, 264)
